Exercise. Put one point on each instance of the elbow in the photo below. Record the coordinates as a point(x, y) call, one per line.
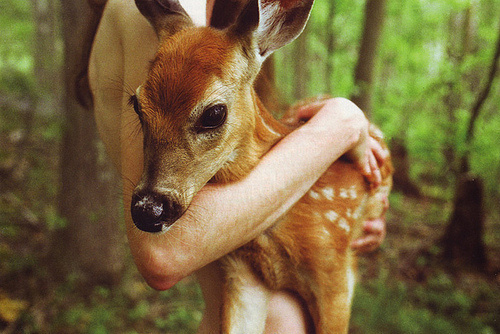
point(159, 278)
point(160, 272)
point(162, 263)
point(161, 283)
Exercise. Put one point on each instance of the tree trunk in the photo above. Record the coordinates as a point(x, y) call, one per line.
point(460, 41)
point(330, 44)
point(462, 241)
point(90, 245)
point(401, 161)
point(363, 75)
point(301, 73)
point(46, 70)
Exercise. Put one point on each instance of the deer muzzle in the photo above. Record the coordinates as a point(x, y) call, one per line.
point(153, 212)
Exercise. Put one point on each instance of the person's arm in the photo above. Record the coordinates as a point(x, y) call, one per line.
point(223, 217)
point(374, 230)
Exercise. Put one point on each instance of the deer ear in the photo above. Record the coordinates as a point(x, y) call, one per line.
point(225, 12)
point(274, 23)
point(166, 16)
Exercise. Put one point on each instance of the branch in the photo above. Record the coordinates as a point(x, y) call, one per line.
point(484, 93)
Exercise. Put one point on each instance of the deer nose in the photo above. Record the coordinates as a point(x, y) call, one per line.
point(151, 212)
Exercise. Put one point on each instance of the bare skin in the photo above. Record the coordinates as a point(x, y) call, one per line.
point(217, 221)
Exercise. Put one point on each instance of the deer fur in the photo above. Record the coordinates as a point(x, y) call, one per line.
point(308, 250)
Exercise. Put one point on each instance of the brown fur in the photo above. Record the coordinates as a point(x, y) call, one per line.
point(307, 253)
point(308, 250)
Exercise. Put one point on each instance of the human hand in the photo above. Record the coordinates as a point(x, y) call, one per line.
point(368, 154)
point(374, 231)
point(373, 235)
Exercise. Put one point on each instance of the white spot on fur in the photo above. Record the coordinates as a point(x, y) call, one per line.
point(314, 195)
point(348, 192)
point(359, 210)
point(343, 224)
point(331, 215)
point(352, 192)
point(328, 193)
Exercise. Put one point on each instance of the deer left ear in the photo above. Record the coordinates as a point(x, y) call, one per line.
point(166, 16)
point(273, 23)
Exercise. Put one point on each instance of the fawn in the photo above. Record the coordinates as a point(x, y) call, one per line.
point(203, 122)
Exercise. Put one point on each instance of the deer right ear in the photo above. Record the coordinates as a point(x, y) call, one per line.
point(166, 16)
point(273, 23)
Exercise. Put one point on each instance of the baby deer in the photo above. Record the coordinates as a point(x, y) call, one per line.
point(203, 122)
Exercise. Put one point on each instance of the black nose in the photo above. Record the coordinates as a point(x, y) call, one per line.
point(150, 211)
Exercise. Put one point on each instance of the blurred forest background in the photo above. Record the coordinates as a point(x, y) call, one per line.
point(425, 71)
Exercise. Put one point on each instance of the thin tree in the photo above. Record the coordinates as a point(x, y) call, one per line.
point(364, 72)
point(463, 239)
point(90, 245)
point(330, 45)
point(300, 66)
point(45, 63)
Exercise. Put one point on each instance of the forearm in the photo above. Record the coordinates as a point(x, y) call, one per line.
point(224, 217)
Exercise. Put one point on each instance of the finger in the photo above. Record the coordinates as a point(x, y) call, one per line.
point(365, 166)
point(386, 204)
point(374, 234)
point(375, 170)
point(366, 244)
point(378, 151)
point(375, 226)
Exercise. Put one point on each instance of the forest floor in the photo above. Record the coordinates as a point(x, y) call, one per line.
point(403, 287)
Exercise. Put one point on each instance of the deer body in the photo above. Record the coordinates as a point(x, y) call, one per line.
point(203, 122)
point(307, 251)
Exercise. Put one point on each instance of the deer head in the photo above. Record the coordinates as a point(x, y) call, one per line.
point(198, 111)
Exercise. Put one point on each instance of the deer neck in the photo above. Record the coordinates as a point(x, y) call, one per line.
point(267, 131)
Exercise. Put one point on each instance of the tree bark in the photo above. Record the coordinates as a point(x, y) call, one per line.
point(330, 44)
point(483, 95)
point(463, 238)
point(462, 241)
point(363, 75)
point(90, 245)
point(401, 161)
point(301, 73)
point(46, 70)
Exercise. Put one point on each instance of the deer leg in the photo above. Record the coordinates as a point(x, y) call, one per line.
point(334, 304)
point(245, 300)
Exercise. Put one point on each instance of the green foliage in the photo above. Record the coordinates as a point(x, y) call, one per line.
point(430, 70)
point(385, 306)
point(424, 88)
point(16, 60)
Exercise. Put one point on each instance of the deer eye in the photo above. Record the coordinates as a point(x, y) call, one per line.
point(212, 118)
